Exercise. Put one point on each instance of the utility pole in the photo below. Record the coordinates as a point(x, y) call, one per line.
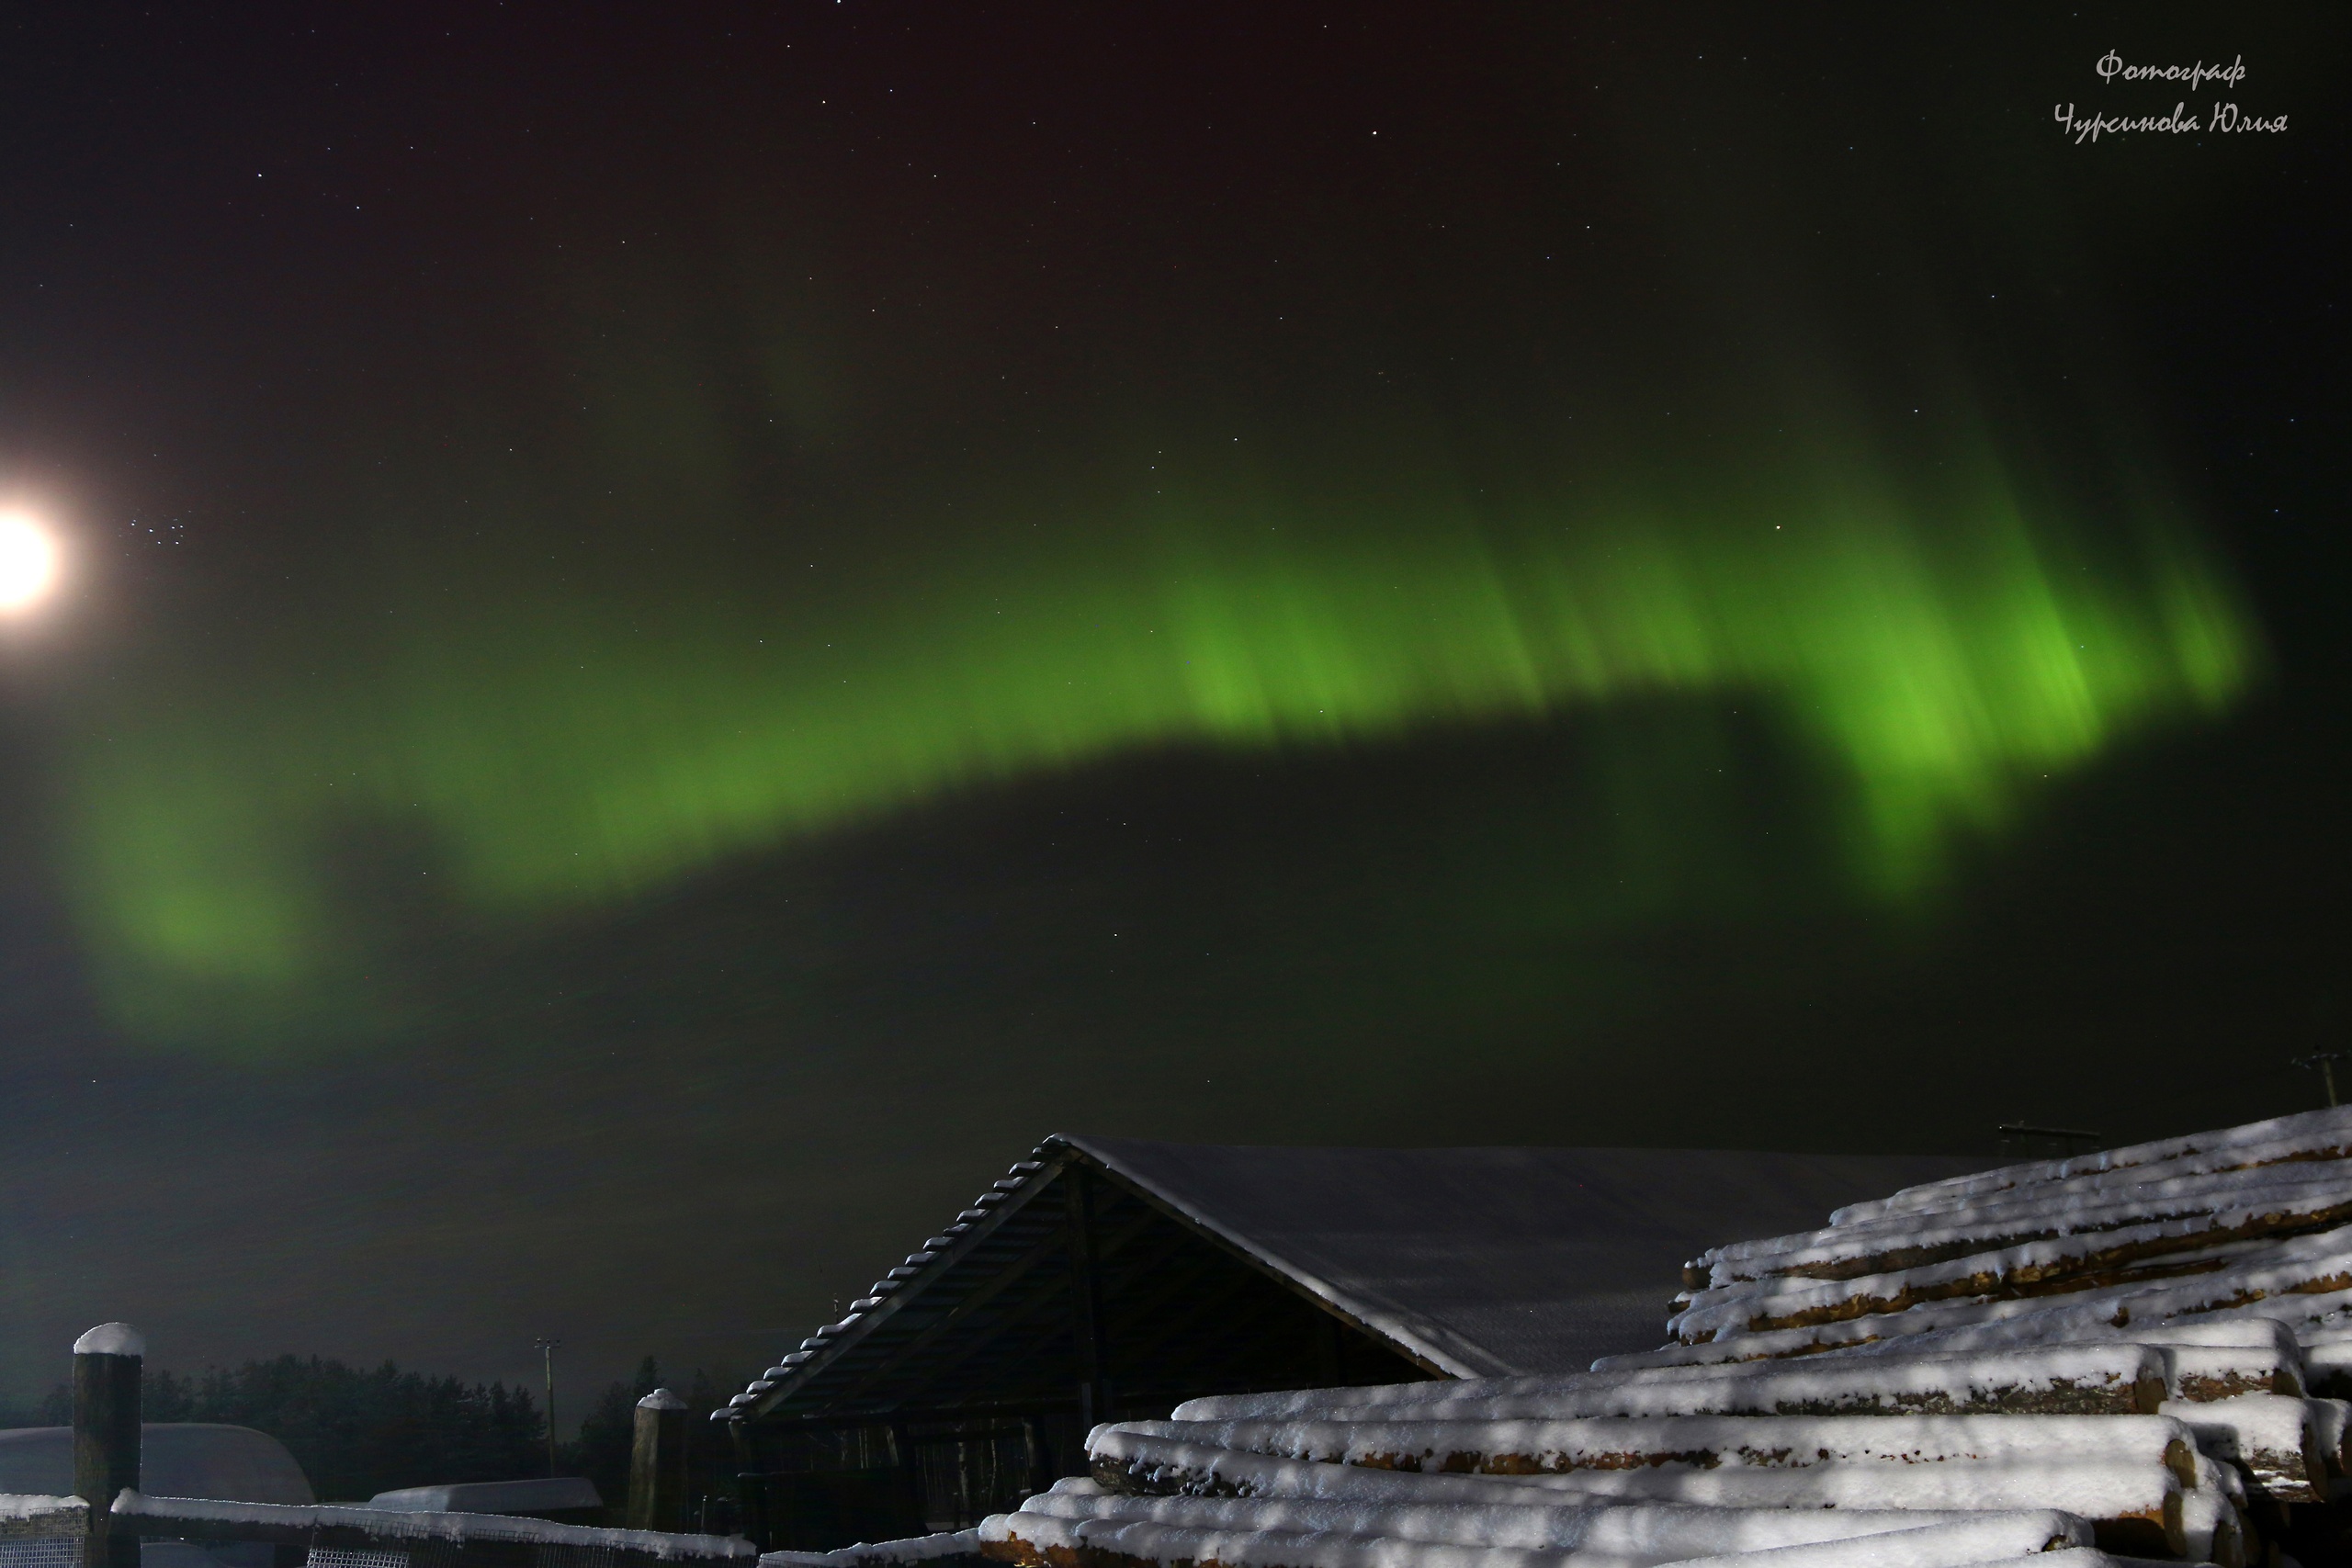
point(2325, 1062)
point(547, 1348)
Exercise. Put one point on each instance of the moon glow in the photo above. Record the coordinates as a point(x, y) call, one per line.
point(28, 562)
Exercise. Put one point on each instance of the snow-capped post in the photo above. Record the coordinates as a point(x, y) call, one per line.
point(657, 1463)
point(106, 1364)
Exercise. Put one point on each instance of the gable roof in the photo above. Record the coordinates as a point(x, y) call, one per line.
point(1468, 1262)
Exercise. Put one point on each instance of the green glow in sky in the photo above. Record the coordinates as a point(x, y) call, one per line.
point(552, 749)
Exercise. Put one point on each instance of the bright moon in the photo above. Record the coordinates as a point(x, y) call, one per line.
point(28, 562)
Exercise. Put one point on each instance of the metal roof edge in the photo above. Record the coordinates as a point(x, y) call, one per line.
point(1042, 1165)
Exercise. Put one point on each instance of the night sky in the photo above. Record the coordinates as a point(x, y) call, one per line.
point(683, 627)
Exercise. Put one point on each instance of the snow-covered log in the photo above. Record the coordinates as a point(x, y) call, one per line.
point(2275, 1439)
point(2135, 1507)
point(2310, 1136)
point(1041, 1540)
point(2107, 1225)
point(1537, 1521)
point(1518, 1448)
point(2101, 1379)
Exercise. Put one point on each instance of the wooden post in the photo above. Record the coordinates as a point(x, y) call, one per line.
point(902, 1454)
point(657, 1463)
point(1039, 1476)
point(753, 1514)
point(1086, 1296)
point(1329, 1353)
point(106, 1364)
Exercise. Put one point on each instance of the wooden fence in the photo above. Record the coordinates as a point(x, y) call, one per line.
point(104, 1524)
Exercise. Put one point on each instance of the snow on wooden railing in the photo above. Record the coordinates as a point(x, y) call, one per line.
point(351, 1527)
point(29, 1516)
point(945, 1548)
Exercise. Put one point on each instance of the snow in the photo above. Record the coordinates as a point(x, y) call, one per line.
point(2322, 1134)
point(2299, 1311)
point(2214, 1476)
point(111, 1339)
point(1040, 1537)
point(1611, 1443)
point(2331, 1424)
point(2211, 1371)
point(661, 1399)
point(2327, 1365)
point(2218, 1200)
point(2209, 1525)
point(2221, 1333)
point(20, 1508)
point(545, 1494)
point(1784, 1302)
point(390, 1525)
point(1660, 1532)
point(1991, 1539)
point(2302, 1279)
point(915, 1549)
point(2102, 1489)
point(2275, 1437)
point(2113, 1375)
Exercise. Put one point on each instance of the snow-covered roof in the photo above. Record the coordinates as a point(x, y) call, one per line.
point(2135, 1351)
point(1465, 1262)
point(176, 1459)
point(1487, 1261)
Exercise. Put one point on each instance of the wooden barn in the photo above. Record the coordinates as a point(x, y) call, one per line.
point(1104, 1279)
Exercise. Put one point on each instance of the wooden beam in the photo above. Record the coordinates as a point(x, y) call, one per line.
point(1085, 1293)
point(1106, 1245)
point(1211, 1305)
point(1003, 1281)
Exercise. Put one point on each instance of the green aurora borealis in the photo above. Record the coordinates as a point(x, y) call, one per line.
point(567, 750)
point(747, 517)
